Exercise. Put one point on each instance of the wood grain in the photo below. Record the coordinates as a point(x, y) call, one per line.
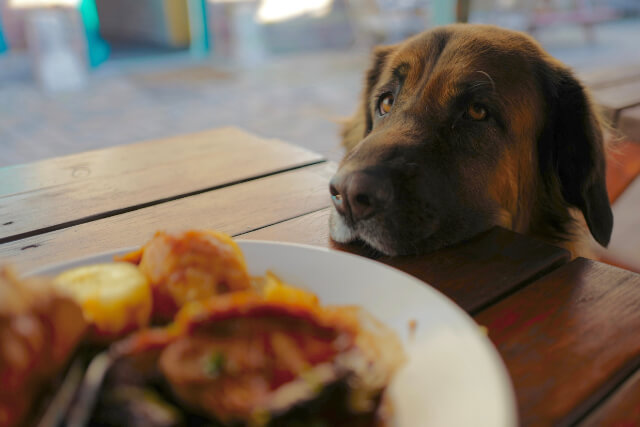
point(610, 76)
point(629, 123)
point(623, 166)
point(615, 98)
point(483, 269)
point(310, 229)
point(47, 195)
point(236, 209)
point(124, 159)
point(568, 339)
point(624, 249)
point(473, 274)
point(621, 409)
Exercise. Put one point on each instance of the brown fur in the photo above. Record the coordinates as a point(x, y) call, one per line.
point(535, 165)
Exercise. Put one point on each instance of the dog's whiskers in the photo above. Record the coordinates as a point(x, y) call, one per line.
point(484, 73)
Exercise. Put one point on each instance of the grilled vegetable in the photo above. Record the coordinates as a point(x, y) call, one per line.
point(115, 297)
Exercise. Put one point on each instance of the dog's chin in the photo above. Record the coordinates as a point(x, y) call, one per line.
point(339, 230)
point(371, 235)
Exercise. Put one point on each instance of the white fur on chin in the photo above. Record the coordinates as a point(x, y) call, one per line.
point(339, 231)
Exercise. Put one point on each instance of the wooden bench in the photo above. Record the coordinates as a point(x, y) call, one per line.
point(617, 92)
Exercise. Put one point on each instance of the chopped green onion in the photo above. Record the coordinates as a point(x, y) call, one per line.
point(214, 364)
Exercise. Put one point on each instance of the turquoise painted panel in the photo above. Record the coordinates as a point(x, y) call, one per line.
point(443, 12)
point(198, 27)
point(97, 49)
point(3, 43)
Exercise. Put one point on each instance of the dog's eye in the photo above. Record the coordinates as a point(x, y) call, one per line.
point(385, 103)
point(476, 111)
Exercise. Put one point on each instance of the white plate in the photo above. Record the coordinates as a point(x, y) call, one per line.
point(454, 376)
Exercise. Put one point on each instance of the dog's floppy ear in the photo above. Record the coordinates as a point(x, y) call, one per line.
point(359, 125)
point(571, 148)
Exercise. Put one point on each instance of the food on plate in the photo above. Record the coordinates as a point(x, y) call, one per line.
point(115, 297)
point(272, 358)
point(274, 289)
point(226, 348)
point(189, 266)
point(136, 406)
point(39, 330)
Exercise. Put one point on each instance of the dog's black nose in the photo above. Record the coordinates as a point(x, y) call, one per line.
point(359, 195)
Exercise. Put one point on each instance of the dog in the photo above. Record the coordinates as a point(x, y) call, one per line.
point(463, 128)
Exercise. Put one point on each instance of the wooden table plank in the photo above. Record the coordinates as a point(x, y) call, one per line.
point(568, 339)
point(623, 166)
point(610, 76)
point(624, 250)
point(473, 274)
point(613, 99)
point(311, 229)
point(123, 159)
point(621, 409)
point(629, 123)
point(235, 209)
point(49, 195)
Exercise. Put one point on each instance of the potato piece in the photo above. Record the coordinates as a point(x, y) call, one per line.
point(115, 297)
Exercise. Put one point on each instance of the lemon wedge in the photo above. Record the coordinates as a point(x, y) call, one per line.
point(115, 297)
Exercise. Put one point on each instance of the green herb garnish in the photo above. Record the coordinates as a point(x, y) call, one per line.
point(214, 364)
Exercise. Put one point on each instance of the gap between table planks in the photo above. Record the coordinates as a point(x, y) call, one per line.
point(614, 99)
point(621, 408)
point(617, 91)
point(568, 339)
point(474, 273)
point(57, 193)
point(235, 209)
point(610, 76)
point(629, 123)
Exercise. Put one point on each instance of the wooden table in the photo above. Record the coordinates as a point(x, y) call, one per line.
point(568, 331)
point(616, 90)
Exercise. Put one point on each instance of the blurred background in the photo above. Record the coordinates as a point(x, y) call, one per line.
point(84, 74)
point(77, 75)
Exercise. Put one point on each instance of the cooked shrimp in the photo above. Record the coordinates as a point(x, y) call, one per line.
point(190, 266)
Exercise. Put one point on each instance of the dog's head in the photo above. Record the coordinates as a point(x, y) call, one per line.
point(462, 128)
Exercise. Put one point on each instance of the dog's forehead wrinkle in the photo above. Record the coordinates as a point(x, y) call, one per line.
point(401, 70)
point(422, 61)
